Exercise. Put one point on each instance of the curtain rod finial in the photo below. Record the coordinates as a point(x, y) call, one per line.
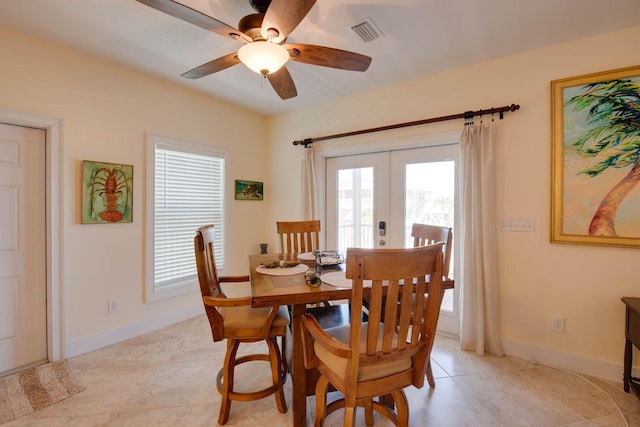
point(306, 142)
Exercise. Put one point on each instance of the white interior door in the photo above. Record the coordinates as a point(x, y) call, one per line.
point(373, 199)
point(23, 286)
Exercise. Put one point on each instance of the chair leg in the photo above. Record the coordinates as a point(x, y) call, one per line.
point(430, 379)
point(321, 400)
point(349, 416)
point(227, 384)
point(350, 407)
point(276, 373)
point(402, 407)
point(368, 411)
point(285, 365)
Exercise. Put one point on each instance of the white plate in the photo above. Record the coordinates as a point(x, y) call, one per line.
point(307, 256)
point(282, 271)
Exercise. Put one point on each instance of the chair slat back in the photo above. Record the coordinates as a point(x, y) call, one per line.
point(425, 234)
point(206, 262)
point(299, 236)
point(410, 312)
point(208, 276)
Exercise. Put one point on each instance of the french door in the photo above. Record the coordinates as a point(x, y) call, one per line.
point(372, 200)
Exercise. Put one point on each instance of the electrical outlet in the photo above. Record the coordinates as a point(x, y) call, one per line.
point(557, 324)
point(114, 306)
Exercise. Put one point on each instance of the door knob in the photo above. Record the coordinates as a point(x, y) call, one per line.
point(382, 242)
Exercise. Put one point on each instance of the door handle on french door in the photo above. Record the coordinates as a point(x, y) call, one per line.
point(382, 228)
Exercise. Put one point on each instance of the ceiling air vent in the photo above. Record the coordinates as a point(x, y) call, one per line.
point(367, 30)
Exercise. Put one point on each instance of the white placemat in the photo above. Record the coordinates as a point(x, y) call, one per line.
point(282, 271)
point(338, 279)
point(307, 256)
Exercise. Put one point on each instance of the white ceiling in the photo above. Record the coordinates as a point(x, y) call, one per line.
point(420, 37)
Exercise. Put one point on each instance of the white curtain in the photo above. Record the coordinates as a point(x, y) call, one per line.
point(480, 323)
point(309, 197)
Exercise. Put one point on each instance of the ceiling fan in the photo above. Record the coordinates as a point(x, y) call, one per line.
point(264, 35)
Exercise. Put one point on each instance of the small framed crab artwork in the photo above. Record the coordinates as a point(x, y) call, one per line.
point(107, 192)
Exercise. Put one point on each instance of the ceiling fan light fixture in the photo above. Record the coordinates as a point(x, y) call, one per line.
point(263, 57)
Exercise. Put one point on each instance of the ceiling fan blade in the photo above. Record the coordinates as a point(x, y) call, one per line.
point(328, 57)
point(192, 16)
point(284, 16)
point(214, 66)
point(283, 83)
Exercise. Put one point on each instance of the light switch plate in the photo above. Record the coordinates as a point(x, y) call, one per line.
point(518, 224)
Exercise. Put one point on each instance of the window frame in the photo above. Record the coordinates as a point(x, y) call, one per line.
point(154, 141)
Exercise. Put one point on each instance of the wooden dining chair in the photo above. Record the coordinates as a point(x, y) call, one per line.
point(304, 236)
point(299, 236)
point(423, 235)
point(233, 319)
point(364, 360)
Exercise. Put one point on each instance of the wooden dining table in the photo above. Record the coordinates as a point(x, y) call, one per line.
point(293, 290)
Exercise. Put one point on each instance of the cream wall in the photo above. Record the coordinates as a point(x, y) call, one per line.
point(538, 279)
point(106, 111)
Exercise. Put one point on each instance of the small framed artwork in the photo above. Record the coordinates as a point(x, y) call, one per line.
point(596, 159)
point(249, 190)
point(107, 192)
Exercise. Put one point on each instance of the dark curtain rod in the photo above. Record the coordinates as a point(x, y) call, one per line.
point(465, 115)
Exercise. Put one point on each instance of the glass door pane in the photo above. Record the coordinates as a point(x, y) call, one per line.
point(424, 190)
point(355, 208)
point(430, 199)
point(356, 200)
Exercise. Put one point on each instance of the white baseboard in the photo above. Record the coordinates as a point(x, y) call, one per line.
point(94, 342)
point(570, 361)
point(533, 353)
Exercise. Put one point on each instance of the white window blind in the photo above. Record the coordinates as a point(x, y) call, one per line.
point(188, 193)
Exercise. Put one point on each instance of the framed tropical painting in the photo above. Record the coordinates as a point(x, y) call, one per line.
point(596, 159)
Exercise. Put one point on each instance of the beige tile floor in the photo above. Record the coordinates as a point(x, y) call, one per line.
point(167, 377)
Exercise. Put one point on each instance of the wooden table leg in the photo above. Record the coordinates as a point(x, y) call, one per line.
point(298, 374)
point(628, 361)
